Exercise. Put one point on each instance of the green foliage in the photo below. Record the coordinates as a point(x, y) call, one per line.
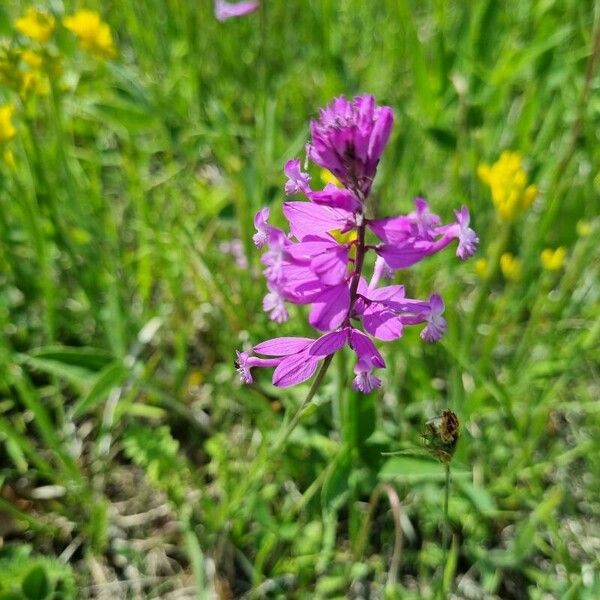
point(31, 577)
point(120, 310)
point(155, 450)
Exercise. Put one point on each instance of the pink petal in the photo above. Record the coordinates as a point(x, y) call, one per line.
point(336, 198)
point(330, 308)
point(329, 343)
point(406, 255)
point(307, 218)
point(294, 369)
point(331, 266)
point(226, 10)
point(393, 230)
point(383, 324)
point(283, 346)
point(365, 349)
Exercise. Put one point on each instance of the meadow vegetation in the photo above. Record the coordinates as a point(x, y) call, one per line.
point(137, 142)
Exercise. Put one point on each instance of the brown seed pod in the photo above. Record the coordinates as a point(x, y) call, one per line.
point(441, 435)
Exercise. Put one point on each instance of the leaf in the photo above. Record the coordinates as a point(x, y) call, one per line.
point(35, 586)
point(480, 498)
point(110, 377)
point(87, 357)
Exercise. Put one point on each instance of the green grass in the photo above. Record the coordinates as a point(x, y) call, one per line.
point(132, 459)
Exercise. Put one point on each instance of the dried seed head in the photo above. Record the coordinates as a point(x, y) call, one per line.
point(441, 435)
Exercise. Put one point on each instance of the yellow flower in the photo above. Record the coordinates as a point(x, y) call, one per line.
point(481, 266)
point(92, 33)
point(7, 129)
point(35, 24)
point(33, 59)
point(553, 259)
point(510, 267)
point(328, 177)
point(507, 181)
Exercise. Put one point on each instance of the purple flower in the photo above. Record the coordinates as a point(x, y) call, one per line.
point(297, 180)
point(320, 262)
point(226, 10)
point(348, 140)
point(274, 305)
point(296, 359)
point(263, 228)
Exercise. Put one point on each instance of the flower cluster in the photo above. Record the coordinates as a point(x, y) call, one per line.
point(320, 262)
point(507, 180)
point(93, 34)
point(36, 25)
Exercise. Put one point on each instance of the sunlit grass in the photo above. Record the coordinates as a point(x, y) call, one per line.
point(129, 449)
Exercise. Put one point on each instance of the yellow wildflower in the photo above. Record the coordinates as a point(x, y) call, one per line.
point(584, 228)
point(328, 177)
point(481, 266)
point(553, 260)
point(33, 59)
point(507, 181)
point(35, 24)
point(92, 33)
point(510, 266)
point(7, 129)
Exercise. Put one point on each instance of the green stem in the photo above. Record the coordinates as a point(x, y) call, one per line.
point(257, 471)
point(446, 530)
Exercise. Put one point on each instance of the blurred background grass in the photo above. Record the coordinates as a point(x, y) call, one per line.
point(133, 462)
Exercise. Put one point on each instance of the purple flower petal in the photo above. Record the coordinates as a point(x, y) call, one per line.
point(294, 369)
point(365, 349)
point(365, 381)
point(331, 267)
point(330, 307)
point(226, 10)
point(306, 218)
point(283, 346)
point(392, 230)
point(329, 343)
point(406, 255)
point(336, 198)
point(382, 323)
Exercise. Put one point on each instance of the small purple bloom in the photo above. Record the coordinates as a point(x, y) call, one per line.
point(467, 238)
point(298, 182)
point(263, 228)
point(226, 10)
point(348, 140)
point(436, 324)
point(274, 305)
